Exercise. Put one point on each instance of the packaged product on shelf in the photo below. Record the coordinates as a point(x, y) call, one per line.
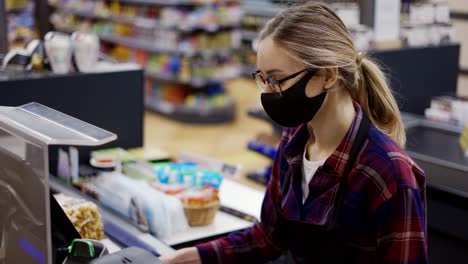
point(421, 14)
point(113, 154)
point(141, 57)
point(415, 36)
point(84, 216)
point(170, 17)
point(128, 11)
point(348, 12)
point(196, 188)
point(187, 174)
point(442, 12)
point(161, 214)
point(115, 7)
point(200, 205)
point(174, 65)
point(184, 73)
point(170, 173)
point(20, 26)
point(99, 8)
point(139, 170)
point(464, 141)
point(362, 36)
point(150, 154)
point(448, 109)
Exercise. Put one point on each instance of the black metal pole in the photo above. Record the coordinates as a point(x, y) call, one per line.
point(367, 8)
point(3, 28)
point(42, 14)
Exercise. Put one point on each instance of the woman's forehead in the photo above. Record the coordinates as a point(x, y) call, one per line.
point(271, 56)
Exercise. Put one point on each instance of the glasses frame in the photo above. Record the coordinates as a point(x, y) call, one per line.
point(269, 80)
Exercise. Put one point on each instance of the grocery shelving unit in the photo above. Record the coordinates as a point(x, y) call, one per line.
point(176, 2)
point(267, 148)
point(188, 114)
point(141, 22)
point(192, 62)
point(17, 23)
point(256, 15)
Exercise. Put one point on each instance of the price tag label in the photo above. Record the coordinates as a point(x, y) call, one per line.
point(464, 140)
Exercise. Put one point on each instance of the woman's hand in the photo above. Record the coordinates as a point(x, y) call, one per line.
point(183, 256)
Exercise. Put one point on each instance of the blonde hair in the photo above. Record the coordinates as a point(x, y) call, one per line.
point(313, 35)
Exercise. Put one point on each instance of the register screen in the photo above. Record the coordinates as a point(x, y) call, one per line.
point(23, 200)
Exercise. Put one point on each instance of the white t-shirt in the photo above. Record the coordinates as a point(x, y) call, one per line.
point(308, 170)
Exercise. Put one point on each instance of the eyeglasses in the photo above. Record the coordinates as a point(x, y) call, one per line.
point(271, 82)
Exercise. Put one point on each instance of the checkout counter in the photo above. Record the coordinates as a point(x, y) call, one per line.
point(33, 228)
point(435, 148)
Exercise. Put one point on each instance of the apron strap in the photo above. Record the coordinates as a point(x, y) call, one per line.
point(361, 137)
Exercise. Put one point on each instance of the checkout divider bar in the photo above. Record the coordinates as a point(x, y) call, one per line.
point(115, 227)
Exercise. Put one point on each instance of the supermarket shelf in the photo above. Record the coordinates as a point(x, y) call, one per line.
point(461, 15)
point(168, 78)
point(144, 22)
point(192, 115)
point(249, 35)
point(17, 9)
point(247, 70)
point(262, 10)
point(150, 46)
point(194, 83)
point(173, 2)
point(63, 29)
point(259, 113)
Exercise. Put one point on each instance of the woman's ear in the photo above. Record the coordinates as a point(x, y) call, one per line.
point(331, 77)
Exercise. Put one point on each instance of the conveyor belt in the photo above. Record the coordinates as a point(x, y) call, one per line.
point(436, 149)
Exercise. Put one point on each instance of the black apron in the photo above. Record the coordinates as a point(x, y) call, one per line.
point(320, 244)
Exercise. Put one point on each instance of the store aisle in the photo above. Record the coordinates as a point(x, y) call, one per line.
point(225, 141)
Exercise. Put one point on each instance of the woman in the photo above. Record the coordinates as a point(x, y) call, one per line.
point(342, 190)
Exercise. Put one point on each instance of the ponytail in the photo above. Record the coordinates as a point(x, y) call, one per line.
point(377, 101)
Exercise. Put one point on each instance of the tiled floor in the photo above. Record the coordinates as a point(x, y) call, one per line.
point(463, 85)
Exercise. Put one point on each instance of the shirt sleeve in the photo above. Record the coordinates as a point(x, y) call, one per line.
point(401, 228)
point(259, 243)
point(251, 246)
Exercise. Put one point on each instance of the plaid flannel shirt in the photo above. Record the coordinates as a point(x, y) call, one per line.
point(383, 215)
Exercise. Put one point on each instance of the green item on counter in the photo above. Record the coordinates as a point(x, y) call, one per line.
point(113, 154)
point(139, 170)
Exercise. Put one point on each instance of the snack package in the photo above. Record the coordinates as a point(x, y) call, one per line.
point(172, 173)
point(161, 214)
point(187, 174)
point(139, 170)
point(198, 196)
point(113, 154)
point(84, 215)
point(196, 188)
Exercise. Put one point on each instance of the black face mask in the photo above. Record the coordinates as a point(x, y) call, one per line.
point(293, 108)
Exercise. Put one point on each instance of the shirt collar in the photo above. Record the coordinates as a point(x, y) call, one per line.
point(294, 148)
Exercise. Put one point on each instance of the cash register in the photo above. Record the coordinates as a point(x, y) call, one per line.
point(33, 227)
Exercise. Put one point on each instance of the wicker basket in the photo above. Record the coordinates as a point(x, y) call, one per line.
point(201, 215)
